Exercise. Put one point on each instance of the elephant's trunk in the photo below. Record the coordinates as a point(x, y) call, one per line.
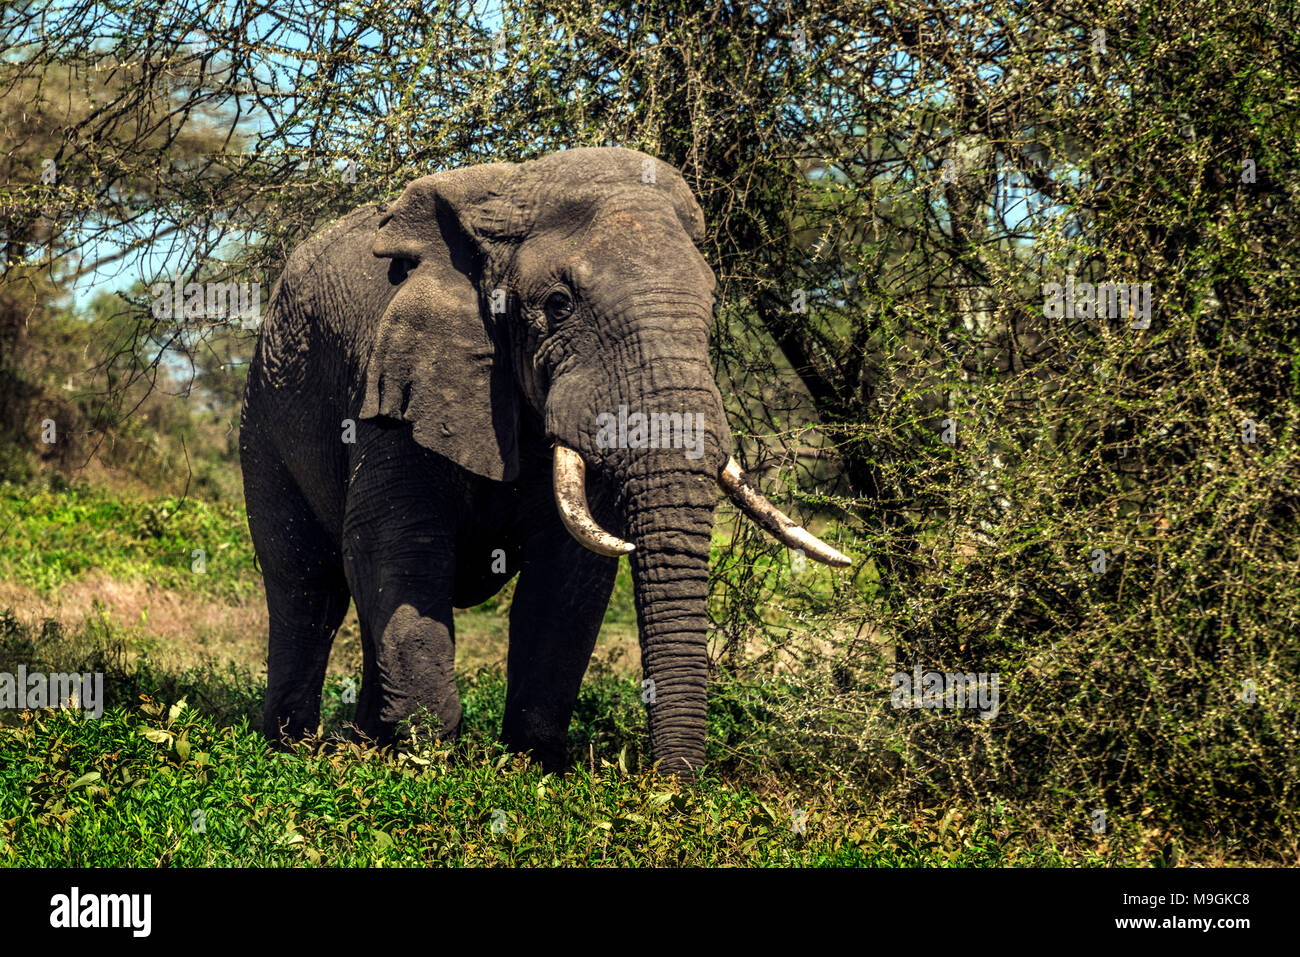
point(669, 518)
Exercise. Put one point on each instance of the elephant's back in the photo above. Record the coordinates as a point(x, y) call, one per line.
point(329, 297)
point(307, 373)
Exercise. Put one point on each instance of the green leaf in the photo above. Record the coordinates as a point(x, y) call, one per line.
point(90, 777)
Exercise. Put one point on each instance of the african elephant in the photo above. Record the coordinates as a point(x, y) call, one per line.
point(454, 390)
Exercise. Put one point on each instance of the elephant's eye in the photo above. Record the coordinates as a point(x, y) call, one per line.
point(558, 305)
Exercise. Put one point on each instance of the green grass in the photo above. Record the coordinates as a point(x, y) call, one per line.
point(153, 783)
point(173, 774)
point(156, 785)
point(48, 538)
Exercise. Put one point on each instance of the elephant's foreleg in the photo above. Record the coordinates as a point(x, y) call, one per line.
point(404, 602)
point(555, 616)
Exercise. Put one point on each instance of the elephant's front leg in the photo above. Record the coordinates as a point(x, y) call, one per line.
point(409, 648)
point(400, 561)
point(555, 616)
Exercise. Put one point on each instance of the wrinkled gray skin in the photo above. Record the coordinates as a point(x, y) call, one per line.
point(385, 318)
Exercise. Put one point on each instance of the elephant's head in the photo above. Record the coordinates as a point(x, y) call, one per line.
point(570, 288)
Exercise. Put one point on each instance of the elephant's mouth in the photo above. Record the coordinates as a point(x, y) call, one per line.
point(570, 474)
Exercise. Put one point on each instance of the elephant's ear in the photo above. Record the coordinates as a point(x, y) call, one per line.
point(687, 207)
point(440, 360)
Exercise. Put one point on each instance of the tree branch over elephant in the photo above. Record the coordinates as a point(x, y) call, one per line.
point(510, 359)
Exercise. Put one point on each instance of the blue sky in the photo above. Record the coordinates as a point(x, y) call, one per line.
point(162, 259)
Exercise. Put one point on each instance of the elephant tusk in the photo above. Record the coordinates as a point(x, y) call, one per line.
point(772, 520)
point(571, 499)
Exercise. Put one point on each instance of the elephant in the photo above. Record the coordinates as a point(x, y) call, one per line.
point(452, 390)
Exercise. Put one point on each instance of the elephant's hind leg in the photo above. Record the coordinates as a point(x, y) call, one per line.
point(306, 597)
point(304, 617)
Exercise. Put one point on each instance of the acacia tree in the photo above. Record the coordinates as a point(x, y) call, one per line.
point(118, 122)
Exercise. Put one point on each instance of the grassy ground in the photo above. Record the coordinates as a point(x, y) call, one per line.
point(68, 554)
point(156, 785)
point(172, 774)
